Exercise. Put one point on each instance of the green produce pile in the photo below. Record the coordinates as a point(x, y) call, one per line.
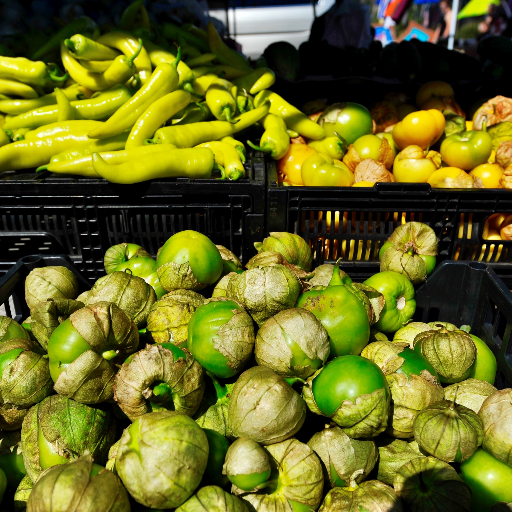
point(139, 102)
point(190, 384)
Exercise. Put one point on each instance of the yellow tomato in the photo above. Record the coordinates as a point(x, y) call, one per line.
point(450, 177)
point(422, 128)
point(412, 166)
point(289, 167)
point(489, 174)
point(363, 184)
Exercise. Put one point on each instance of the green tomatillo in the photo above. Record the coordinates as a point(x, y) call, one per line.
point(121, 253)
point(189, 260)
point(221, 336)
point(353, 391)
point(10, 329)
point(349, 120)
point(485, 365)
point(400, 305)
point(467, 150)
point(218, 447)
point(146, 268)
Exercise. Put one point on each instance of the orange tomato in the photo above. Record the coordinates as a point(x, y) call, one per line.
point(289, 167)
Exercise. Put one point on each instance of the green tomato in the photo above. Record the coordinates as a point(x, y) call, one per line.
point(202, 330)
point(249, 482)
point(299, 358)
point(229, 266)
point(3, 484)
point(430, 261)
point(398, 293)
point(485, 365)
point(346, 378)
point(348, 120)
point(368, 146)
point(154, 282)
point(64, 346)
point(218, 447)
point(198, 251)
point(415, 363)
point(48, 457)
point(343, 315)
point(489, 479)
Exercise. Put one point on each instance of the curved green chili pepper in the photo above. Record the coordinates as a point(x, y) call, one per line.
point(193, 163)
point(82, 47)
point(202, 83)
point(99, 107)
point(19, 134)
point(15, 88)
point(4, 138)
point(239, 146)
point(220, 98)
point(202, 60)
point(66, 111)
point(189, 135)
point(129, 16)
point(225, 54)
point(258, 80)
point(335, 147)
point(29, 72)
point(227, 156)
point(163, 81)
point(275, 140)
point(194, 113)
point(96, 66)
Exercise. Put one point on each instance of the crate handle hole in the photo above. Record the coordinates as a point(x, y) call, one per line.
point(477, 265)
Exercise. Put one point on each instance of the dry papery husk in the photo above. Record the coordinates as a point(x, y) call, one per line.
point(393, 454)
point(213, 499)
point(407, 333)
point(372, 171)
point(470, 393)
point(506, 181)
point(245, 457)
point(386, 156)
point(293, 247)
point(228, 255)
point(504, 154)
point(271, 258)
point(494, 111)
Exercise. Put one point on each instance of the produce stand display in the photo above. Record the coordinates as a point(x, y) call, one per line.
point(353, 223)
point(83, 217)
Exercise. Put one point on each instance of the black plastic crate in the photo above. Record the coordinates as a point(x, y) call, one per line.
point(463, 293)
point(353, 223)
point(83, 217)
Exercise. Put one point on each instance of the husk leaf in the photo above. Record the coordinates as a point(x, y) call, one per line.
point(178, 276)
point(22, 494)
point(470, 393)
point(265, 407)
point(416, 235)
point(393, 455)
point(375, 299)
point(409, 265)
point(221, 288)
point(407, 333)
point(385, 354)
point(293, 247)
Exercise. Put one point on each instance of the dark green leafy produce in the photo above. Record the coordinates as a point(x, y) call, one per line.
point(161, 458)
point(59, 429)
point(428, 484)
point(80, 486)
point(159, 377)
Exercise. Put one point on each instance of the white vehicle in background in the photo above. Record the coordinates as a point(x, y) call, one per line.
point(257, 23)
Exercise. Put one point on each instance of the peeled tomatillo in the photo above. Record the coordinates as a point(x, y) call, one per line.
point(368, 146)
point(346, 378)
point(146, 269)
point(348, 120)
point(414, 363)
point(467, 150)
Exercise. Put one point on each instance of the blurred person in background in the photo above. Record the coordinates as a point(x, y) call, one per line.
point(495, 22)
point(443, 28)
point(346, 23)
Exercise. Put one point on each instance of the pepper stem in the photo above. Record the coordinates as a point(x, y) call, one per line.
point(136, 54)
point(148, 142)
point(336, 278)
point(258, 148)
point(70, 45)
point(294, 380)
point(187, 87)
point(177, 60)
point(42, 168)
point(53, 69)
point(352, 486)
point(218, 167)
point(200, 107)
point(227, 114)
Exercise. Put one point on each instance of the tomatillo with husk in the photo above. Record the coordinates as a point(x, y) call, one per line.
point(398, 293)
point(322, 275)
point(131, 293)
point(372, 496)
point(448, 431)
point(11, 417)
point(24, 373)
point(221, 288)
point(218, 446)
point(50, 283)
point(59, 429)
point(393, 454)
point(121, 253)
point(489, 480)
point(247, 464)
point(10, 329)
point(213, 499)
point(426, 481)
point(85, 348)
point(188, 260)
point(169, 317)
point(295, 482)
point(293, 343)
point(293, 247)
point(264, 291)
point(342, 456)
point(230, 261)
point(411, 250)
point(161, 458)
point(213, 409)
point(408, 332)
point(348, 120)
point(496, 416)
point(451, 353)
point(265, 407)
point(48, 315)
point(343, 315)
point(144, 268)
point(79, 485)
point(159, 377)
point(271, 258)
point(353, 392)
point(221, 337)
point(470, 393)
point(11, 458)
point(22, 494)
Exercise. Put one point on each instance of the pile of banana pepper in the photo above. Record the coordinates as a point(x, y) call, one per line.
point(139, 102)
